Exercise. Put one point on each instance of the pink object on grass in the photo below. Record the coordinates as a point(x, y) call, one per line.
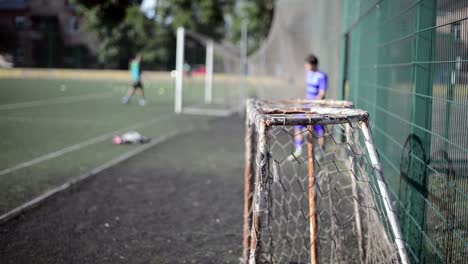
point(117, 140)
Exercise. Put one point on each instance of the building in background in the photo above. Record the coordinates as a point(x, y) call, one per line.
point(451, 43)
point(40, 33)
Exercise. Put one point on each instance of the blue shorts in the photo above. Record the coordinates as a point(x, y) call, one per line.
point(319, 129)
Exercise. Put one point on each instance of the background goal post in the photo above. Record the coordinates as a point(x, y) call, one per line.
point(329, 204)
point(208, 78)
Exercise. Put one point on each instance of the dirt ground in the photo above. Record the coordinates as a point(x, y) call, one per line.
point(179, 202)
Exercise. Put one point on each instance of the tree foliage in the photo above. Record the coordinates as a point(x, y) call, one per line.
point(203, 16)
point(7, 40)
point(258, 14)
point(122, 29)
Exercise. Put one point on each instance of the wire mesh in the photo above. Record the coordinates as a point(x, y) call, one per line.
point(298, 28)
point(407, 66)
point(323, 205)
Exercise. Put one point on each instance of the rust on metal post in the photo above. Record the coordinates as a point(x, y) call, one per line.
point(254, 237)
point(312, 206)
point(322, 103)
point(247, 188)
point(257, 202)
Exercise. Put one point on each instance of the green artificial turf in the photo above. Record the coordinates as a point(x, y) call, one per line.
point(43, 116)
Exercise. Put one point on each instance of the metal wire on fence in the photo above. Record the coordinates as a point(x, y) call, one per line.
point(405, 62)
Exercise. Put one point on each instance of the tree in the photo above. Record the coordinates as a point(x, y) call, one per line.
point(122, 29)
point(7, 40)
point(135, 34)
point(107, 13)
point(259, 16)
point(203, 16)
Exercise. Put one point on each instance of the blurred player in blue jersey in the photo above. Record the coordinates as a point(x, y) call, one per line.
point(317, 85)
point(135, 70)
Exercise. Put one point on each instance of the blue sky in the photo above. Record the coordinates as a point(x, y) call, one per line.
point(148, 6)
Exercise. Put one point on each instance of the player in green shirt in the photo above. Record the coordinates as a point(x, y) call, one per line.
point(135, 70)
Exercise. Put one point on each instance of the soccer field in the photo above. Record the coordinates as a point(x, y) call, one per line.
point(53, 130)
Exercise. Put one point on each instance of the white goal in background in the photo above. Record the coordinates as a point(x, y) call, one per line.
point(215, 87)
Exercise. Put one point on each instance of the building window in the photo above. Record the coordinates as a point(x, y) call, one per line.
point(19, 54)
point(20, 22)
point(457, 30)
point(70, 5)
point(73, 24)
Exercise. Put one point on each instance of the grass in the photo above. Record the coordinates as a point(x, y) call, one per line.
point(42, 116)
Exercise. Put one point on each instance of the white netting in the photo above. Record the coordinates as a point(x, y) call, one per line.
point(299, 27)
point(276, 69)
point(227, 90)
point(345, 203)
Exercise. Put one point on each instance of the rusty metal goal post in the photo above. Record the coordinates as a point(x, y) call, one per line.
point(326, 204)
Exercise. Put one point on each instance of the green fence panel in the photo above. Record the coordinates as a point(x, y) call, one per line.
point(406, 62)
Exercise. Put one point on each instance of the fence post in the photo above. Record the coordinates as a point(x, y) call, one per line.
point(209, 72)
point(248, 184)
point(179, 69)
point(421, 117)
point(312, 205)
point(259, 190)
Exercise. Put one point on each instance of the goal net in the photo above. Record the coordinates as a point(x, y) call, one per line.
point(208, 76)
point(328, 204)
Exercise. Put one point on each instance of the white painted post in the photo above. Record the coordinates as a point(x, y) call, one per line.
point(179, 69)
point(384, 192)
point(209, 73)
point(243, 58)
point(243, 61)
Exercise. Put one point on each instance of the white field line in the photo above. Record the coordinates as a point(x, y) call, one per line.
point(207, 112)
point(79, 145)
point(53, 121)
point(34, 202)
point(60, 100)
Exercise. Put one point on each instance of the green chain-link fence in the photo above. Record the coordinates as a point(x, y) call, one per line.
point(405, 61)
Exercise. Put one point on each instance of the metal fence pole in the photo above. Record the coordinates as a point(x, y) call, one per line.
point(259, 194)
point(353, 137)
point(209, 72)
point(248, 184)
point(179, 69)
point(421, 117)
point(312, 205)
point(383, 188)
